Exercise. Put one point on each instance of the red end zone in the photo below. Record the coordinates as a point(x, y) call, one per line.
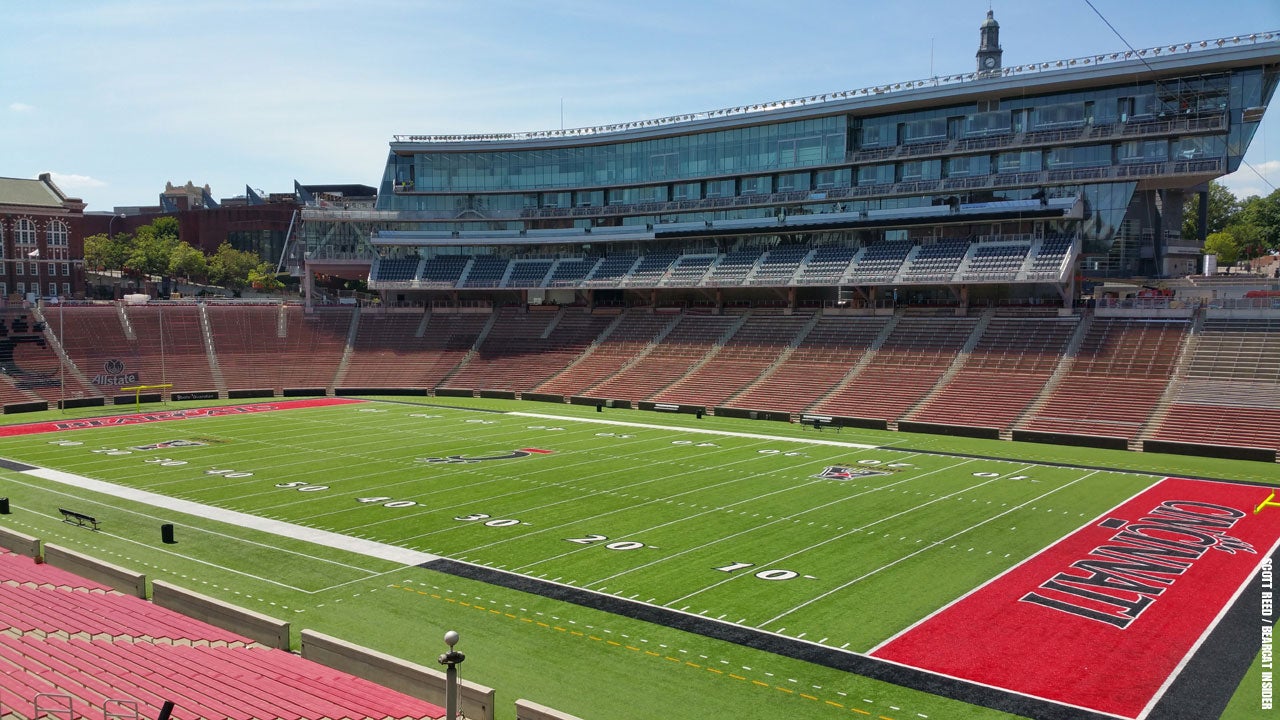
point(117, 420)
point(1102, 618)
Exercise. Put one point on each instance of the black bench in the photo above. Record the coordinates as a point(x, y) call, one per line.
point(75, 518)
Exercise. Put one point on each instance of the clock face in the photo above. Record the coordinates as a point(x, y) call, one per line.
point(989, 62)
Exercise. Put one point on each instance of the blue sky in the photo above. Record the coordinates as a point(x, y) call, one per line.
point(116, 98)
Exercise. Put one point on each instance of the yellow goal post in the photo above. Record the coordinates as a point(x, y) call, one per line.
point(137, 393)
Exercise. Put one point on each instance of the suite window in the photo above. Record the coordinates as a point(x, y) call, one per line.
point(921, 170)
point(926, 130)
point(878, 134)
point(969, 166)
point(762, 185)
point(1056, 116)
point(1077, 157)
point(875, 175)
point(1027, 161)
point(720, 188)
point(998, 122)
point(826, 179)
point(686, 191)
point(793, 181)
point(1143, 151)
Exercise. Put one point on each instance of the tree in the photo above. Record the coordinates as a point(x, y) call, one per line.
point(1262, 215)
point(264, 278)
point(1224, 246)
point(188, 263)
point(103, 253)
point(151, 250)
point(230, 267)
point(1223, 207)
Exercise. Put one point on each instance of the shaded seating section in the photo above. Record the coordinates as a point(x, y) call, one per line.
point(880, 263)
point(688, 270)
point(650, 270)
point(570, 272)
point(31, 366)
point(395, 269)
point(733, 268)
point(171, 346)
point(690, 340)
point(443, 270)
point(523, 349)
point(247, 341)
point(904, 369)
point(486, 272)
point(1004, 373)
point(389, 352)
point(313, 346)
point(1047, 264)
point(79, 641)
point(752, 349)
point(779, 265)
point(826, 265)
point(991, 262)
point(819, 362)
point(611, 271)
point(528, 273)
point(936, 262)
point(634, 331)
point(1231, 392)
point(1115, 380)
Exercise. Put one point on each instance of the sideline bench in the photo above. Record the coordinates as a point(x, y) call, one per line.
point(75, 518)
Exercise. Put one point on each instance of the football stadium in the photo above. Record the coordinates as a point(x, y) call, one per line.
point(790, 409)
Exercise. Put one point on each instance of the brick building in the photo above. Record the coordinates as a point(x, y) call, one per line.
point(41, 240)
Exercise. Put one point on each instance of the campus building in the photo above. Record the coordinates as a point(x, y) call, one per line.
point(41, 240)
point(1008, 180)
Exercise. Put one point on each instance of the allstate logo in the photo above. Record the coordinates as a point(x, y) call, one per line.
point(113, 367)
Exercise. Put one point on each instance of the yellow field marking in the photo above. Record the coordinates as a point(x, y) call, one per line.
point(651, 653)
point(1266, 504)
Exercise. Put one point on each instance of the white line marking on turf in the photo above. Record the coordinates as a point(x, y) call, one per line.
point(320, 537)
point(701, 431)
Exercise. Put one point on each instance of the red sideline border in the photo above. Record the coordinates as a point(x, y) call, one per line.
point(166, 415)
point(1105, 618)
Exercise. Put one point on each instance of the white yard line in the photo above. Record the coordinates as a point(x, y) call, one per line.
point(700, 431)
point(926, 548)
point(367, 548)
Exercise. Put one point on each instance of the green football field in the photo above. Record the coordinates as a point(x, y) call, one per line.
point(837, 539)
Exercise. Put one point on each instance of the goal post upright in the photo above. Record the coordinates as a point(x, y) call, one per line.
point(137, 393)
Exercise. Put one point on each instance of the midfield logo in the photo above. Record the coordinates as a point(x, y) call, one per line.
point(844, 472)
point(462, 459)
point(169, 444)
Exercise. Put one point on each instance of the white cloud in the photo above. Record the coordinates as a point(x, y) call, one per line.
point(21, 107)
point(66, 181)
point(1245, 182)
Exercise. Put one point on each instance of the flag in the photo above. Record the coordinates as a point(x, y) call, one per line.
point(33, 254)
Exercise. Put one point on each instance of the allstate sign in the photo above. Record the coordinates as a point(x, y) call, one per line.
point(113, 374)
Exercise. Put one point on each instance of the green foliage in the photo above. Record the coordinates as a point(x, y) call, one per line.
point(188, 262)
point(264, 278)
point(1224, 245)
point(230, 267)
point(1223, 206)
point(104, 253)
point(151, 250)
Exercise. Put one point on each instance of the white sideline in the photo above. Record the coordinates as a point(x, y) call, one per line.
point(754, 436)
point(367, 548)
